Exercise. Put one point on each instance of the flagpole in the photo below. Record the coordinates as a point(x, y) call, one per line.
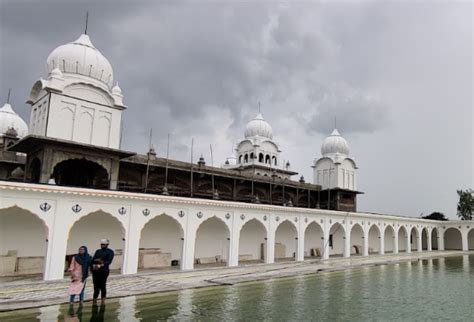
point(165, 188)
point(192, 166)
point(148, 161)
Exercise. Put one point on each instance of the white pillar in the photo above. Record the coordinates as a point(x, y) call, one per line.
point(429, 241)
point(270, 242)
point(300, 245)
point(382, 244)
point(395, 242)
point(440, 239)
point(326, 243)
point(57, 244)
point(130, 251)
point(419, 241)
point(347, 244)
point(465, 241)
point(234, 246)
point(365, 241)
point(188, 249)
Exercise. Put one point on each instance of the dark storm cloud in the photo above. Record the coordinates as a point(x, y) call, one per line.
point(387, 71)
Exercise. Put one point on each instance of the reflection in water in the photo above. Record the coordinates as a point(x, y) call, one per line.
point(438, 289)
point(49, 313)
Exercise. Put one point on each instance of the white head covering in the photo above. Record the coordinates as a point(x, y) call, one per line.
point(104, 241)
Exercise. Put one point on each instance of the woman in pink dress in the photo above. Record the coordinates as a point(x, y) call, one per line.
point(79, 270)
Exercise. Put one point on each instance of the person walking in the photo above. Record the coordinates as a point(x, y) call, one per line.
point(79, 270)
point(101, 261)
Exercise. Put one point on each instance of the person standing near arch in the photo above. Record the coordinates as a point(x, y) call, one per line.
point(101, 261)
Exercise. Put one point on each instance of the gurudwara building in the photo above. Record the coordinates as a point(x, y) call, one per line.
point(65, 182)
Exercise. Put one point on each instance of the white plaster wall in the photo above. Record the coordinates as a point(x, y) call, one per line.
point(389, 240)
point(69, 118)
point(356, 237)
point(286, 234)
point(312, 238)
point(165, 233)
point(89, 230)
point(452, 239)
point(374, 240)
point(39, 115)
point(252, 235)
point(23, 232)
point(337, 232)
point(211, 239)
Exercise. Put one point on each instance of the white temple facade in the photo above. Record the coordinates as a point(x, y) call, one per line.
point(73, 143)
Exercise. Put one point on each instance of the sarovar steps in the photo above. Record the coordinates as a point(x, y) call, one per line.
point(65, 182)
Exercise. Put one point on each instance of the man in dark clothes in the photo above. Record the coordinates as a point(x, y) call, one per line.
point(100, 269)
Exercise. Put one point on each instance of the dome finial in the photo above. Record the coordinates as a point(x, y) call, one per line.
point(87, 22)
point(8, 96)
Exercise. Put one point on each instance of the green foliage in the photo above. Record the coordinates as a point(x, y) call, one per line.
point(465, 204)
point(436, 216)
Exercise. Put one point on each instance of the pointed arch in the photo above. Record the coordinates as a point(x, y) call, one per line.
point(389, 239)
point(161, 242)
point(374, 234)
point(357, 239)
point(212, 243)
point(313, 240)
point(252, 240)
point(286, 234)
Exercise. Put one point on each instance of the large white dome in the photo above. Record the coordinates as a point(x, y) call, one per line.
point(81, 57)
point(259, 127)
point(335, 144)
point(9, 119)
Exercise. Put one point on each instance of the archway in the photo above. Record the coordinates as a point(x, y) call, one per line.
point(470, 239)
point(90, 229)
point(424, 238)
point(161, 243)
point(357, 240)
point(389, 239)
point(212, 242)
point(402, 239)
point(414, 239)
point(337, 235)
point(81, 173)
point(434, 239)
point(374, 239)
point(23, 242)
point(313, 240)
point(452, 239)
point(285, 241)
point(252, 242)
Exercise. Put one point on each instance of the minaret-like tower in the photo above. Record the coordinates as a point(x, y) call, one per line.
point(75, 123)
point(336, 172)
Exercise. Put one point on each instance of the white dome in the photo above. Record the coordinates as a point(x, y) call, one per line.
point(335, 144)
point(9, 119)
point(81, 57)
point(259, 127)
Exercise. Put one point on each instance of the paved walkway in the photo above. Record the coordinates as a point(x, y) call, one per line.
point(19, 294)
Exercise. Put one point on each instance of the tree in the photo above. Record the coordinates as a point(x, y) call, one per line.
point(465, 204)
point(436, 216)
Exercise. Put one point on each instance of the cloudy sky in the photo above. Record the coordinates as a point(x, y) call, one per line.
point(397, 75)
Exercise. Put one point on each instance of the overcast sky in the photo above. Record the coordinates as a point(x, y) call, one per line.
point(398, 77)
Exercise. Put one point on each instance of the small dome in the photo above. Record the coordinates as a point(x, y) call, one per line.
point(81, 57)
point(10, 120)
point(335, 144)
point(231, 160)
point(259, 127)
point(116, 89)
